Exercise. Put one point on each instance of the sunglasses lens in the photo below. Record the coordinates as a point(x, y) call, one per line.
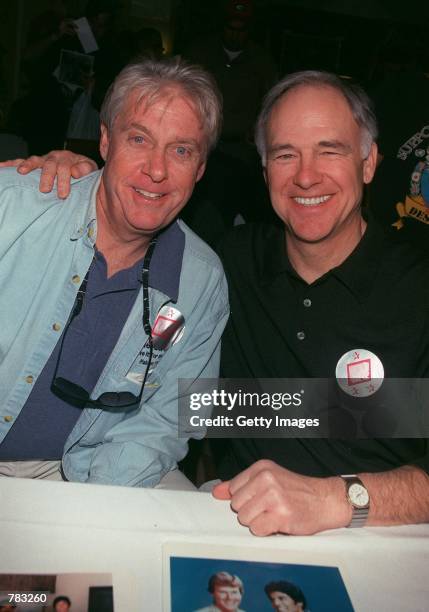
point(117, 400)
point(69, 389)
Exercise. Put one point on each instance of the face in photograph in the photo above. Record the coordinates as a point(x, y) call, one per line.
point(62, 606)
point(227, 598)
point(282, 602)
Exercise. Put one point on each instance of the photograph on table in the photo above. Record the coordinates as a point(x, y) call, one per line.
point(216, 583)
point(65, 592)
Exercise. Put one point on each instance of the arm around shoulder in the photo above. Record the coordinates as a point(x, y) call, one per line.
point(59, 165)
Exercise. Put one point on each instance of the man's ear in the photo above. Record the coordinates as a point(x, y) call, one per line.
point(200, 171)
point(104, 141)
point(370, 164)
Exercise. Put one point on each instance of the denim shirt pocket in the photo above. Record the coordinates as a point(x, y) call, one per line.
point(127, 370)
point(127, 365)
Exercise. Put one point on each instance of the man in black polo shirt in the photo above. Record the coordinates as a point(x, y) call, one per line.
point(323, 296)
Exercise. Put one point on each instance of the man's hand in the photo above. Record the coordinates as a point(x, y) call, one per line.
point(61, 165)
point(270, 499)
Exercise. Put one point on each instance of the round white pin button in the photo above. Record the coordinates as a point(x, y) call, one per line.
point(359, 373)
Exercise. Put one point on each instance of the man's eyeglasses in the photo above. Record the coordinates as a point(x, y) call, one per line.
point(110, 399)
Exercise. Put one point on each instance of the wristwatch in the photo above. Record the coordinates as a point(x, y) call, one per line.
point(358, 497)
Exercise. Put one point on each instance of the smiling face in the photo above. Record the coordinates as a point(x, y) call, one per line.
point(314, 170)
point(282, 602)
point(155, 153)
point(227, 598)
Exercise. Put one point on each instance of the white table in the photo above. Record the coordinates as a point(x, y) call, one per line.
point(54, 527)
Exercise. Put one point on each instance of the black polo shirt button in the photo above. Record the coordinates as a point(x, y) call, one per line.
point(300, 335)
point(307, 302)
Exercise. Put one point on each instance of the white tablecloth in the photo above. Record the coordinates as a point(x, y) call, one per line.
point(51, 527)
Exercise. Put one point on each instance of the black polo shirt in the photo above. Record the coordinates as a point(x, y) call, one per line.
point(282, 327)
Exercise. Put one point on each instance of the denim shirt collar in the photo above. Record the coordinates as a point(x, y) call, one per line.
point(88, 225)
point(166, 264)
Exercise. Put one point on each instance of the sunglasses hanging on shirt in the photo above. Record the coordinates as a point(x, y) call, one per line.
point(110, 399)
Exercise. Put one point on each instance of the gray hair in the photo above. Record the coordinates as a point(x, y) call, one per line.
point(358, 101)
point(153, 77)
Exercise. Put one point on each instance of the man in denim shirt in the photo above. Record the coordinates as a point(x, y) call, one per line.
point(107, 300)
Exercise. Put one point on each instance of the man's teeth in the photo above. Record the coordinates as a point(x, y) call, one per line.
point(149, 194)
point(312, 201)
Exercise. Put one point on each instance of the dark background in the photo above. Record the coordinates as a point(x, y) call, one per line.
point(344, 37)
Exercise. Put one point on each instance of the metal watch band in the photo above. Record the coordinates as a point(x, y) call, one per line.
point(360, 515)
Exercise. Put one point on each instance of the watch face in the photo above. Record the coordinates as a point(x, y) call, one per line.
point(358, 495)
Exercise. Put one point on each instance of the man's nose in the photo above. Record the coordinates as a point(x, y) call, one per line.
point(155, 165)
point(307, 173)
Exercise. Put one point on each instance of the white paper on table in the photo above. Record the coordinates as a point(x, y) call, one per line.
point(85, 35)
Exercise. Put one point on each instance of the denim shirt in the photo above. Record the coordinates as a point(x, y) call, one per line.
point(46, 248)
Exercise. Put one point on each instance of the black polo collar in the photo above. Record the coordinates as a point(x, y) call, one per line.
point(358, 272)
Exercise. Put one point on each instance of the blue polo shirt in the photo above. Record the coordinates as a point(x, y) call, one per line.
point(46, 420)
